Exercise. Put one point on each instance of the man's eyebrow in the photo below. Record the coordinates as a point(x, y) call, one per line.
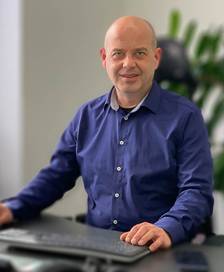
point(117, 49)
point(141, 49)
point(136, 49)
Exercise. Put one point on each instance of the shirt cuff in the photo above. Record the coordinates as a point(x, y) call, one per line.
point(173, 228)
point(17, 208)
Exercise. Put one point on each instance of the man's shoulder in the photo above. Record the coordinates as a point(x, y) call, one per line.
point(95, 103)
point(91, 108)
point(177, 101)
point(88, 110)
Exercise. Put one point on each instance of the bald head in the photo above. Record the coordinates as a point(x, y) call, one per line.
point(131, 24)
point(130, 57)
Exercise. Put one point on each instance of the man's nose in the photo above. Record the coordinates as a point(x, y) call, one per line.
point(129, 62)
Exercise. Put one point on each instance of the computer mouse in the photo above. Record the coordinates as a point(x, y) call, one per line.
point(59, 267)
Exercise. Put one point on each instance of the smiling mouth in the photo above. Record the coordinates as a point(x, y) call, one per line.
point(129, 75)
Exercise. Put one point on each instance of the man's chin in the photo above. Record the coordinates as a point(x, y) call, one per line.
point(129, 90)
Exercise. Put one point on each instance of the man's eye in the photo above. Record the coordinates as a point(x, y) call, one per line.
point(117, 54)
point(140, 53)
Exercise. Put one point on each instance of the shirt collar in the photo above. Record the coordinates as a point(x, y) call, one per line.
point(150, 101)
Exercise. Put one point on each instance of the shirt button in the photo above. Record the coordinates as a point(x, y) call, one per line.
point(115, 222)
point(118, 168)
point(121, 142)
point(126, 118)
point(116, 195)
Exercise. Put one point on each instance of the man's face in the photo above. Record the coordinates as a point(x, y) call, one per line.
point(130, 59)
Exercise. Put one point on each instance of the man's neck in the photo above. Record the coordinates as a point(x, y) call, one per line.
point(129, 100)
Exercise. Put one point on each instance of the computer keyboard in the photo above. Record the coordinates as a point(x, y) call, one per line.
point(88, 244)
point(66, 240)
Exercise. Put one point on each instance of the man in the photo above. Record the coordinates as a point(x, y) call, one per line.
point(142, 151)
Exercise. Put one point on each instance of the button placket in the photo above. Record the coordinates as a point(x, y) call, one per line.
point(119, 168)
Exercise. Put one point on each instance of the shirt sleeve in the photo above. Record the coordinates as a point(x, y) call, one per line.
point(51, 182)
point(194, 202)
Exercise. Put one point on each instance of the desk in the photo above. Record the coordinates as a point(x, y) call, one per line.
point(211, 253)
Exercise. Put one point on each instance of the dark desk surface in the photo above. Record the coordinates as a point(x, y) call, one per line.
point(207, 257)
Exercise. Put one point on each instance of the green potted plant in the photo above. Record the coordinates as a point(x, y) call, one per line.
point(204, 54)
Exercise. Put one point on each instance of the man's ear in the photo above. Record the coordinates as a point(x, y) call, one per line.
point(103, 57)
point(157, 57)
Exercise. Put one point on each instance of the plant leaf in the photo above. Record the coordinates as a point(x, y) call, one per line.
point(174, 24)
point(217, 113)
point(219, 172)
point(215, 43)
point(189, 34)
point(203, 45)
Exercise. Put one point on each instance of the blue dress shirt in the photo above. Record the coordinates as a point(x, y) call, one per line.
point(152, 164)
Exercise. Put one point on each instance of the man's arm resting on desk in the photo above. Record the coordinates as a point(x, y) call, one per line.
point(194, 201)
point(6, 215)
point(146, 232)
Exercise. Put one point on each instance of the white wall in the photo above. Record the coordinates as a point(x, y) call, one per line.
point(206, 13)
point(11, 125)
point(62, 70)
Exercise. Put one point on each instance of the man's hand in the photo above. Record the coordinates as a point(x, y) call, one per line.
point(145, 232)
point(6, 215)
